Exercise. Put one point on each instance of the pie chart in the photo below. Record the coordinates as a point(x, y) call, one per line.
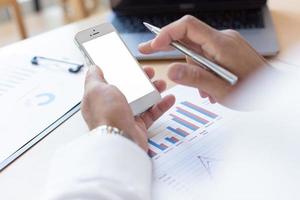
point(40, 99)
point(44, 99)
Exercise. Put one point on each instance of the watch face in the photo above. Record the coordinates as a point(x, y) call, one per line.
point(105, 129)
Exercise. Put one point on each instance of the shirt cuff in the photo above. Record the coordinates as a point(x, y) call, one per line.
point(107, 158)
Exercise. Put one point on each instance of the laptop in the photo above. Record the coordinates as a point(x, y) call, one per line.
point(250, 17)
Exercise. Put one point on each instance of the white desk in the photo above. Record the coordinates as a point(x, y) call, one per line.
point(25, 178)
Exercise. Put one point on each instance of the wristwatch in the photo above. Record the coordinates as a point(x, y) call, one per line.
point(105, 129)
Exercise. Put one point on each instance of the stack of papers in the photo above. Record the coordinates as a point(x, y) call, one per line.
point(33, 97)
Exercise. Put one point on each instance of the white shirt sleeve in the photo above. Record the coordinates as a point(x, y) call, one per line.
point(100, 167)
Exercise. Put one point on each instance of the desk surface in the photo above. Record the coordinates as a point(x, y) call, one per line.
point(25, 178)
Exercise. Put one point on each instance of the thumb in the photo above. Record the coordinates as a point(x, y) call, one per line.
point(194, 76)
point(96, 73)
point(94, 76)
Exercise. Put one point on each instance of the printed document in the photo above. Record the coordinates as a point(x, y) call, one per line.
point(32, 97)
point(187, 145)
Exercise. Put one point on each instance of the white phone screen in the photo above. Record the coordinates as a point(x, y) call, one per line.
point(119, 67)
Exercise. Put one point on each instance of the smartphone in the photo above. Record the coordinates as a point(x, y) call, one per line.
point(103, 46)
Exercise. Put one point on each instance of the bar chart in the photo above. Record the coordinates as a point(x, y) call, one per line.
point(178, 131)
point(172, 139)
point(185, 120)
point(161, 146)
point(192, 116)
point(200, 109)
point(188, 145)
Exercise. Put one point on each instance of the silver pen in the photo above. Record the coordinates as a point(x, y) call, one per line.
point(220, 71)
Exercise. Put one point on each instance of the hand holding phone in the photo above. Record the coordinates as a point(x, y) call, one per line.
point(103, 47)
point(98, 108)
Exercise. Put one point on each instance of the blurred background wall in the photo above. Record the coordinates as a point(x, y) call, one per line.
point(39, 16)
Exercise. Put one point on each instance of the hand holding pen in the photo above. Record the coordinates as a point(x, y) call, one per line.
point(207, 64)
point(226, 49)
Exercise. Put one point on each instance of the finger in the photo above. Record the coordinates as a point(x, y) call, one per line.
point(203, 94)
point(206, 95)
point(146, 48)
point(195, 76)
point(149, 71)
point(187, 27)
point(158, 110)
point(160, 85)
point(96, 73)
point(94, 76)
point(212, 100)
point(193, 46)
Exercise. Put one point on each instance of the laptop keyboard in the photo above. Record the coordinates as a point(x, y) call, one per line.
point(235, 19)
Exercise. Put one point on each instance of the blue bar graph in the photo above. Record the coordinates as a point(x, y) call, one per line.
point(177, 131)
point(184, 123)
point(172, 139)
point(199, 109)
point(159, 146)
point(151, 153)
point(192, 116)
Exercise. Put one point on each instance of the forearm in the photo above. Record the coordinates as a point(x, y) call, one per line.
point(100, 166)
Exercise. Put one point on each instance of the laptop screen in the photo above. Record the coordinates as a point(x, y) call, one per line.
point(152, 6)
